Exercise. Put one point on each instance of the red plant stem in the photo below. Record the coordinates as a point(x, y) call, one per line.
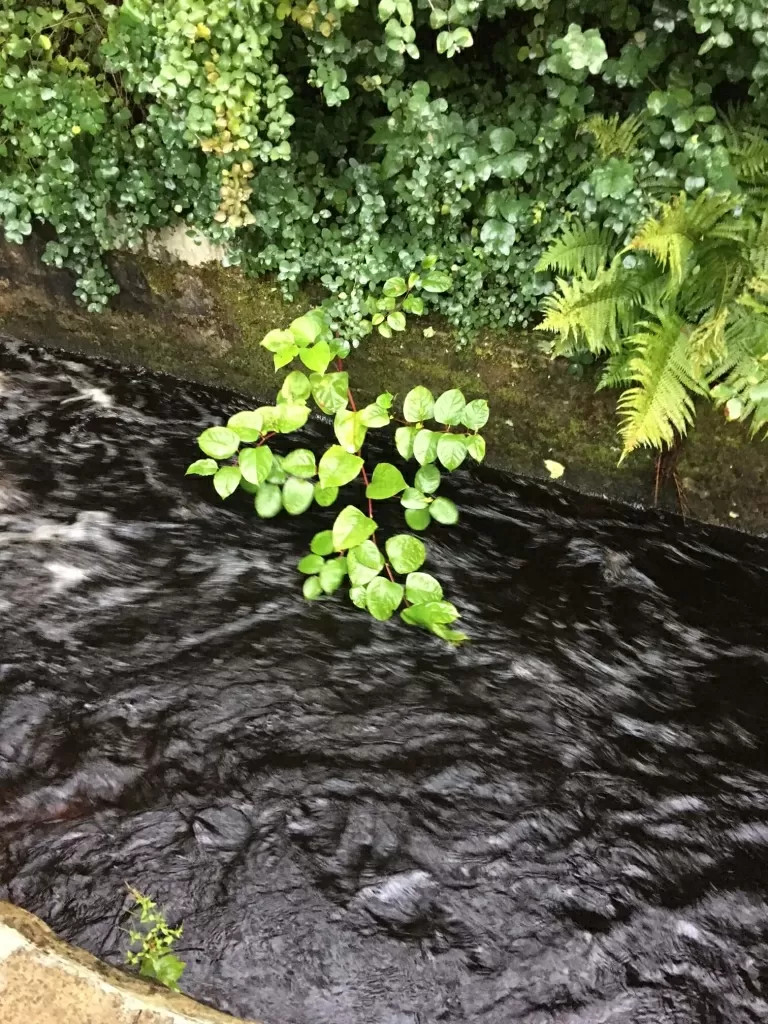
point(366, 481)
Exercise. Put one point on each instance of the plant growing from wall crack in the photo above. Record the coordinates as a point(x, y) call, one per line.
point(384, 575)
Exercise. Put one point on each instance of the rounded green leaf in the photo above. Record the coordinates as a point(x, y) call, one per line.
point(296, 387)
point(316, 357)
point(444, 511)
point(304, 330)
point(268, 501)
point(219, 442)
point(297, 495)
point(418, 518)
point(351, 528)
point(277, 474)
point(387, 480)
point(405, 552)
point(436, 281)
point(312, 589)
point(475, 414)
point(430, 614)
point(249, 488)
point(453, 636)
point(451, 451)
point(449, 407)
point(396, 321)
point(363, 563)
point(476, 447)
point(337, 467)
point(349, 430)
point(330, 391)
point(248, 425)
point(427, 479)
point(413, 498)
point(385, 401)
point(226, 481)
point(374, 416)
point(383, 598)
point(291, 417)
point(301, 463)
point(322, 543)
point(255, 464)
point(395, 286)
point(420, 588)
point(203, 467)
point(285, 355)
point(311, 564)
point(425, 446)
point(325, 496)
point(332, 574)
point(404, 441)
point(358, 597)
point(418, 405)
point(273, 341)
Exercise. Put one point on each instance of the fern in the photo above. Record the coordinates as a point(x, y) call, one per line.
point(671, 237)
point(614, 137)
point(743, 372)
point(590, 313)
point(660, 404)
point(579, 250)
point(707, 344)
point(617, 372)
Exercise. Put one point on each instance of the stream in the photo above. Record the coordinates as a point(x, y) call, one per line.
point(564, 821)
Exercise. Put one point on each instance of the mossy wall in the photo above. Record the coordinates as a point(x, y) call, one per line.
point(205, 323)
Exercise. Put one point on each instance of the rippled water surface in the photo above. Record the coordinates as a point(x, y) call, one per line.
point(565, 822)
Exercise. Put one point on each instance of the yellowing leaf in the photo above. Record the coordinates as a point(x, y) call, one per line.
point(555, 469)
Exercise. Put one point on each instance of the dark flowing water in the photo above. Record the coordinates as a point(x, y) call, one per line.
point(565, 822)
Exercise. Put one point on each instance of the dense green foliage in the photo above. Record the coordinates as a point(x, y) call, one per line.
point(342, 139)
point(153, 941)
point(681, 311)
point(435, 433)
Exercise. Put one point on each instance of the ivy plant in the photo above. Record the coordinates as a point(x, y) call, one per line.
point(436, 434)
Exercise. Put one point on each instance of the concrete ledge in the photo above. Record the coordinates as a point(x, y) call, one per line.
point(45, 981)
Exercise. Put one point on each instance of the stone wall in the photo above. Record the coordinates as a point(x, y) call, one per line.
point(204, 322)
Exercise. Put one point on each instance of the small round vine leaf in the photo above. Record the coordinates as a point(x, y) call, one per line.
point(364, 563)
point(386, 482)
point(255, 464)
point(311, 564)
point(291, 417)
point(325, 496)
point(351, 528)
point(405, 552)
point(394, 286)
point(451, 451)
point(418, 518)
point(425, 446)
point(475, 414)
point(203, 467)
point(396, 320)
point(322, 543)
point(268, 501)
point(332, 574)
point(301, 463)
point(476, 447)
point(219, 442)
point(296, 387)
point(436, 281)
point(429, 614)
point(316, 357)
point(312, 589)
point(412, 498)
point(449, 407)
point(337, 467)
point(277, 474)
point(226, 481)
point(427, 479)
point(247, 424)
point(383, 598)
point(297, 495)
point(418, 405)
point(444, 511)
point(358, 597)
point(421, 588)
point(404, 441)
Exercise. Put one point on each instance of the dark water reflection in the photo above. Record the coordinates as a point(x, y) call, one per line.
point(564, 823)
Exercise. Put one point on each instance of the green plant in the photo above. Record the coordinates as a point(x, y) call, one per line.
point(155, 941)
point(681, 312)
point(438, 434)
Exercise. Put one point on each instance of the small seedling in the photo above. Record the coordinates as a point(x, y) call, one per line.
point(154, 940)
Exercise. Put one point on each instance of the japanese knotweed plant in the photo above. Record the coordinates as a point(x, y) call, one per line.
point(154, 941)
point(383, 574)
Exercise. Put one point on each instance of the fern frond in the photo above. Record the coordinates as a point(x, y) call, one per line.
point(671, 237)
point(579, 250)
point(660, 403)
point(706, 344)
point(616, 372)
point(743, 372)
point(721, 269)
point(591, 313)
point(748, 153)
point(614, 137)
